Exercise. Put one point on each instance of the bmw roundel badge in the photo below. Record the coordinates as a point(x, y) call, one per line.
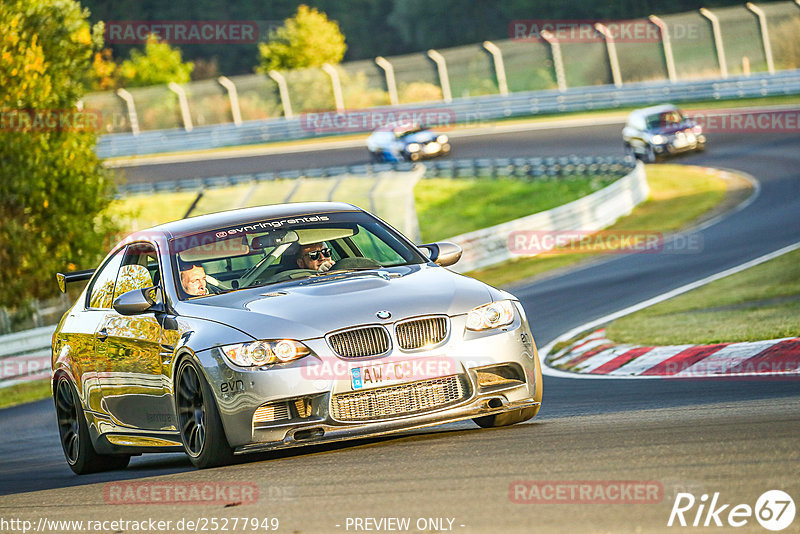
point(383, 314)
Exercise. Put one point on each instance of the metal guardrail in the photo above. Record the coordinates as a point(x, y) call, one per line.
point(25, 355)
point(475, 110)
point(529, 168)
point(491, 246)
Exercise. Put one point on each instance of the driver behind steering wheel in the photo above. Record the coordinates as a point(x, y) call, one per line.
point(315, 256)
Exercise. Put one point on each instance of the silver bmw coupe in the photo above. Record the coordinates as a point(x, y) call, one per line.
point(280, 326)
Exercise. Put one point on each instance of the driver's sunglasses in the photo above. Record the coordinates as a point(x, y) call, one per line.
point(316, 255)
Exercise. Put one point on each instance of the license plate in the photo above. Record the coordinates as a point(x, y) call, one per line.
point(396, 372)
point(680, 142)
point(432, 148)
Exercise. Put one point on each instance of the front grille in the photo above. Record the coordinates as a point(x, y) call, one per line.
point(418, 333)
point(269, 413)
point(360, 342)
point(399, 400)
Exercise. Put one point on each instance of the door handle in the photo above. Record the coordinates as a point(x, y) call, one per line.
point(101, 335)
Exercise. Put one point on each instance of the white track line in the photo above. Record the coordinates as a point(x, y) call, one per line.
point(646, 303)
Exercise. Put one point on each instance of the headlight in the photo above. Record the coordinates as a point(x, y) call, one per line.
point(697, 129)
point(442, 139)
point(658, 139)
point(260, 353)
point(413, 147)
point(492, 315)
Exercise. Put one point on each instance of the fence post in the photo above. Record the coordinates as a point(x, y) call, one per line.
point(187, 117)
point(129, 104)
point(283, 89)
point(611, 47)
point(723, 64)
point(499, 66)
point(667, 46)
point(391, 84)
point(233, 96)
point(558, 61)
point(337, 86)
point(444, 79)
point(762, 22)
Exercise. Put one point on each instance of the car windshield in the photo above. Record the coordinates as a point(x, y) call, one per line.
point(265, 252)
point(665, 119)
point(406, 132)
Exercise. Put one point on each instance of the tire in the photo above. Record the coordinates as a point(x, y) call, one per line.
point(199, 422)
point(629, 151)
point(506, 418)
point(73, 432)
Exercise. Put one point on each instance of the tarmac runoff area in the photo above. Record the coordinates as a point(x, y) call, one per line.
point(595, 354)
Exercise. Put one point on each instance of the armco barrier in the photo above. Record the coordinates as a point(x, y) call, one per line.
point(525, 168)
point(489, 246)
point(25, 355)
point(475, 110)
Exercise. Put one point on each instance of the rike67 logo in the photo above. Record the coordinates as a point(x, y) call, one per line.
point(774, 510)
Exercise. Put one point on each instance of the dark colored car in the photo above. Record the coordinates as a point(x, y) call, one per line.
point(406, 142)
point(658, 131)
point(221, 335)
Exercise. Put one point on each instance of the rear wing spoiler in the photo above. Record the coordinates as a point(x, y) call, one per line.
point(72, 276)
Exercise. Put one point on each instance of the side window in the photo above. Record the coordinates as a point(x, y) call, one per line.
point(139, 269)
point(102, 291)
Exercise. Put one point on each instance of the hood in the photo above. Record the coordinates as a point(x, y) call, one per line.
point(424, 136)
point(312, 307)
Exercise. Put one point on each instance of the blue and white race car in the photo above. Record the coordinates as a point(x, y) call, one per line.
point(407, 141)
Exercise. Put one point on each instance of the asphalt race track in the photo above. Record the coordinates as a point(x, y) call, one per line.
point(735, 437)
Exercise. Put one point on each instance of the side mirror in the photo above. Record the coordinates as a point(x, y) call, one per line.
point(139, 301)
point(443, 253)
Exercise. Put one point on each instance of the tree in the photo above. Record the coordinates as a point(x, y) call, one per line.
point(53, 189)
point(308, 39)
point(159, 64)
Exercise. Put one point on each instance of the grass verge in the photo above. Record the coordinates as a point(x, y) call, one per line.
point(679, 196)
point(762, 302)
point(449, 207)
point(24, 392)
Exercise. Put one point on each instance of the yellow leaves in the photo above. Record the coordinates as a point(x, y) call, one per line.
point(83, 36)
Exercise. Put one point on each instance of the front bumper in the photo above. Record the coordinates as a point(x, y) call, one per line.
point(240, 392)
point(678, 145)
point(318, 433)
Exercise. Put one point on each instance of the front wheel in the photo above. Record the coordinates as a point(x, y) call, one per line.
point(198, 418)
point(506, 418)
point(74, 434)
